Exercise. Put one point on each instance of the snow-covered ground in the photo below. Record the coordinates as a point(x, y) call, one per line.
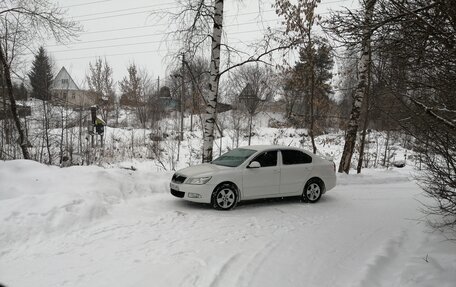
point(93, 226)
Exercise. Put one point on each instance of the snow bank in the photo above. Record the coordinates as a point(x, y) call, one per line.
point(376, 176)
point(37, 199)
point(93, 226)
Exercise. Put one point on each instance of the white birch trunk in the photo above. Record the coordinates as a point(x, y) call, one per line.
point(210, 116)
point(363, 70)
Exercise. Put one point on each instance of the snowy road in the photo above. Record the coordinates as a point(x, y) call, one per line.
point(363, 233)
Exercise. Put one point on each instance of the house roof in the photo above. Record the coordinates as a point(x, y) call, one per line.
point(63, 81)
point(221, 107)
point(248, 93)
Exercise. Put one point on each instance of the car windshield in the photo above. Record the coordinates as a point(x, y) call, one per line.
point(234, 157)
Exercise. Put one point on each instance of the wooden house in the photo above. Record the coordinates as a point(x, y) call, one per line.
point(65, 92)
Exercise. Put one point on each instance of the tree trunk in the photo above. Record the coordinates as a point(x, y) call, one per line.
point(385, 155)
point(62, 138)
point(4, 143)
point(211, 113)
point(9, 86)
point(363, 68)
point(182, 101)
point(46, 127)
point(312, 94)
point(250, 128)
point(192, 109)
point(365, 121)
point(310, 56)
point(363, 143)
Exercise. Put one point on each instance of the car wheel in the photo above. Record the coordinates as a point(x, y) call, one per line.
point(224, 197)
point(312, 191)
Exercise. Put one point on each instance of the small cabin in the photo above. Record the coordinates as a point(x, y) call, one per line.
point(65, 92)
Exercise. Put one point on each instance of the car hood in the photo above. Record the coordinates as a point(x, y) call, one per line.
point(205, 169)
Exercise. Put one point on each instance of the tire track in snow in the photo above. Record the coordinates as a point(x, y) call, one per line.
point(231, 273)
point(222, 274)
point(255, 263)
point(388, 264)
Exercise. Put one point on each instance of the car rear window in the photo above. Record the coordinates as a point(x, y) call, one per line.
point(295, 157)
point(234, 157)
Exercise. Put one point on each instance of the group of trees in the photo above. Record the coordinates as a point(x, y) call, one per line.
point(21, 22)
point(407, 72)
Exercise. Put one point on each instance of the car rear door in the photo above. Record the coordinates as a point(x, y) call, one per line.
point(295, 171)
point(263, 181)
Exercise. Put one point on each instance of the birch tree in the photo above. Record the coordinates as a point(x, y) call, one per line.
point(361, 86)
point(214, 78)
point(199, 22)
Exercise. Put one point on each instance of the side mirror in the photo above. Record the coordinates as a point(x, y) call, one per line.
point(254, 164)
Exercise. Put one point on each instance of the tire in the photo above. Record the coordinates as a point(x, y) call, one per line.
point(224, 197)
point(312, 191)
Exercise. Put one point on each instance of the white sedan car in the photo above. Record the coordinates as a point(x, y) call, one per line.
point(255, 172)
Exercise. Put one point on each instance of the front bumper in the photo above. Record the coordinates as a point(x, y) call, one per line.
point(192, 192)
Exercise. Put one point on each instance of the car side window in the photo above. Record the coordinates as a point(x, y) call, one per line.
point(290, 157)
point(268, 158)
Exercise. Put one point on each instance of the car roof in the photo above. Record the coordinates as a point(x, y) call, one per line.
point(268, 147)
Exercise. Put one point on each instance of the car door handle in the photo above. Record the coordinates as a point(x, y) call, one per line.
point(276, 170)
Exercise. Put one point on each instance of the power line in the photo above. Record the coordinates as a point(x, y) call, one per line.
point(108, 46)
point(108, 39)
point(120, 29)
point(150, 11)
point(146, 35)
point(171, 8)
point(141, 36)
point(129, 9)
point(156, 25)
point(113, 16)
point(332, 2)
point(112, 55)
point(85, 4)
point(120, 54)
point(155, 34)
point(160, 10)
point(132, 44)
point(127, 53)
point(150, 6)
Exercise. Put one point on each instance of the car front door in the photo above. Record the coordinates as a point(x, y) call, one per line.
point(262, 181)
point(295, 171)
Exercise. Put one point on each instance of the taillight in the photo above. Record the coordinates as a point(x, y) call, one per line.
point(334, 167)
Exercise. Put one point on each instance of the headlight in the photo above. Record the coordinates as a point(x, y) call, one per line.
point(198, 180)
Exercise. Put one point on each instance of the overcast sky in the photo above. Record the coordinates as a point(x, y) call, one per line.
point(133, 31)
